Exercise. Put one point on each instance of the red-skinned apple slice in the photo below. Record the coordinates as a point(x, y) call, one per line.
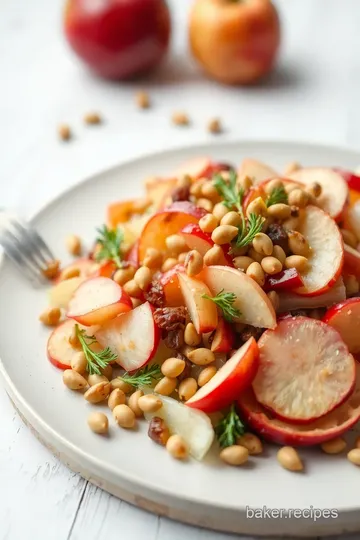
point(167, 222)
point(352, 219)
point(171, 286)
point(224, 337)
point(305, 370)
point(256, 170)
point(61, 293)
point(351, 261)
point(289, 301)
point(86, 267)
point(195, 168)
point(228, 383)
point(203, 312)
point(327, 251)
point(132, 256)
point(197, 239)
point(98, 300)
point(59, 351)
point(253, 304)
point(330, 426)
point(334, 194)
point(133, 336)
point(287, 280)
point(345, 318)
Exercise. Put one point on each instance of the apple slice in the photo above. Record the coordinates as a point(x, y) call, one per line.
point(203, 312)
point(351, 261)
point(305, 370)
point(352, 219)
point(132, 256)
point(192, 425)
point(61, 293)
point(345, 318)
point(158, 189)
point(286, 280)
point(59, 351)
point(327, 251)
point(228, 383)
point(98, 300)
point(195, 168)
point(87, 267)
point(167, 222)
point(133, 336)
point(334, 194)
point(170, 282)
point(224, 337)
point(289, 301)
point(253, 304)
point(197, 239)
point(256, 170)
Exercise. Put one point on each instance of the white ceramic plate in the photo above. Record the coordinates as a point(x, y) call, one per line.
point(129, 464)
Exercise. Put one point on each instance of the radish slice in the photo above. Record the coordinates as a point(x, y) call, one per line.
point(290, 301)
point(327, 252)
point(98, 300)
point(192, 425)
point(133, 336)
point(59, 350)
point(345, 318)
point(334, 192)
point(305, 370)
point(231, 379)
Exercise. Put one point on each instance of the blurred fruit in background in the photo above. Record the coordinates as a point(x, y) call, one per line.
point(235, 41)
point(118, 39)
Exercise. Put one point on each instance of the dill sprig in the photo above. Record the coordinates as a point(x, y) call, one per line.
point(225, 301)
point(277, 195)
point(253, 226)
point(95, 360)
point(143, 377)
point(229, 428)
point(110, 241)
point(231, 194)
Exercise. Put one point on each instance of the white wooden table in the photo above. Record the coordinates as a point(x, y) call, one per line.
point(313, 96)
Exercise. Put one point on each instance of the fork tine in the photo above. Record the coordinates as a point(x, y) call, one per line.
point(16, 255)
point(31, 237)
point(27, 256)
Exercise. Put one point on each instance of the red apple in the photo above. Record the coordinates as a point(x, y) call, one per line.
point(351, 261)
point(327, 252)
point(118, 39)
point(202, 311)
point(330, 426)
point(171, 286)
point(289, 301)
point(197, 239)
point(133, 336)
point(98, 300)
point(334, 194)
point(224, 338)
point(345, 318)
point(167, 222)
point(59, 350)
point(228, 383)
point(305, 370)
point(254, 305)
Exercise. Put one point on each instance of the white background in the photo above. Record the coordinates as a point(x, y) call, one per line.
point(313, 96)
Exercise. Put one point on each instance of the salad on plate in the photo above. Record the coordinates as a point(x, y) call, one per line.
point(223, 306)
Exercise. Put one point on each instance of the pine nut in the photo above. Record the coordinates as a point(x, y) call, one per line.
point(123, 275)
point(95, 379)
point(354, 456)
point(291, 224)
point(79, 362)
point(231, 218)
point(168, 264)
point(335, 446)
point(180, 118)
point(132, 288)
point(51, 270)
point(201, 356)
point(70, 272)
point(296, 261)
point(191, 336)
point(173, 367)
point(220, 210)
point(223, 234)
point(276, 183)
point(245, 182)
point(196, 187)
point(315, 189)
point(64, 132)
point(73, 380)
point(184, 181)
point(289, 459)
point(298, 197)
point(166, 386)
point(257, 207)
point(279, 253)
point(187, 388)
point(98, 423)
point(97, 393)
point(291, 186)
point(214, 126)
point(242, 262)
point(107, 371)
point(92, 119)
point(205, 203)
point(193, 263)
point(73, 245)
point(133, 403)
point(122, 385)
point(349, 238)
point(142, 99)
point(214, 256)
point(143, 277)
point(208, 223)
point(206, 375)
point(182, 257)
point(235, 455)
point(209, 191)
point(351, 284)
point(251, 442)
point(271, 265)
point(256, 273)
point(175, 244)
point(298, 244)
point(150, 403)
point(177, 447)
point(263, 244)
point(124, 416)
point(117, 397)
point(50, 317)
point(279, 211)
point(153, 258)
point(257, 257)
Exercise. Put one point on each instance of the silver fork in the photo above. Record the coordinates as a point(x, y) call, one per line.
point(23, 245)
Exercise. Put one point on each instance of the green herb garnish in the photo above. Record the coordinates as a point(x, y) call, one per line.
point(143, 377)
point(110, 242)
point(277, 195)
point(95, 360)
point(229, 428)
point(254, 225)
point(225, 301)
